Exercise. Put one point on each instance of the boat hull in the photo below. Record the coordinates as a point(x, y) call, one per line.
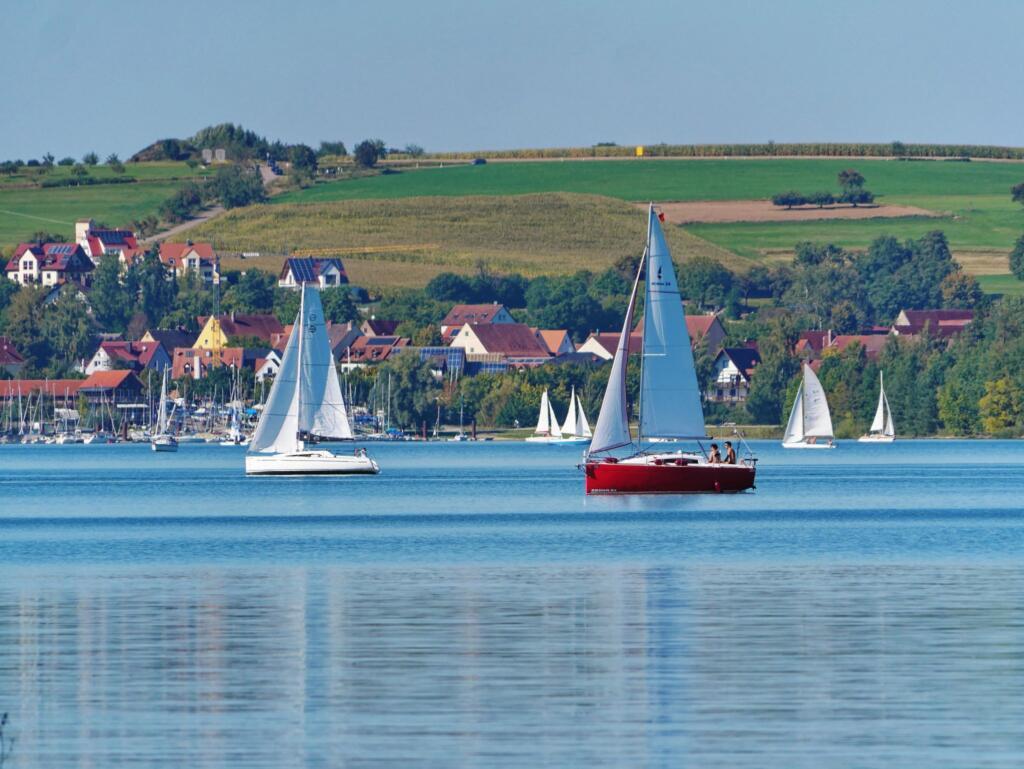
point(804, 445)
point(876, 439)
point(310, 463)
point(666, 477)
point(164, 443)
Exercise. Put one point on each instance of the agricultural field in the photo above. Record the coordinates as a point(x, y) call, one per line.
point(670, 179)
point(25, 208)
point(533, 234)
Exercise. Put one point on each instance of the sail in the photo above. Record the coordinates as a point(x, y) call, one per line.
point(321, 406)
point(278, 428)
point(582, 425)
point(670, 404)
point(612, 429)
point(544, 420)
point(795, 426)
point(890, 428)
point(161, 422)
point(878, 423)
point(817, 420)
point(569, 425)
point(556, 431)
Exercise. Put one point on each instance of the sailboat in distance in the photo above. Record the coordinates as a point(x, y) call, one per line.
point(576, 428)
point(882, 429)
point(163, 440)
point(670, 401)
point(547, 429)
point(809, 419)
point(305, 405)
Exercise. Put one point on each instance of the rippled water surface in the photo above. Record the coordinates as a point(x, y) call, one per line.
point(469, 607)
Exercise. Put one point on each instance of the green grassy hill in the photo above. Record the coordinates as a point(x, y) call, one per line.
point(671, 179)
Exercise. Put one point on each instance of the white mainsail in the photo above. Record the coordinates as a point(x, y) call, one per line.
point(306, 396)
point(612, 429)
point(817, 420)
point(882, 423)
point(544, 418)
point(670, 402)
point(161, 422)
point(569, 425)
point(795, 426)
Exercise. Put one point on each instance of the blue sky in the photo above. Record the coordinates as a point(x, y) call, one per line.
point(114, 75)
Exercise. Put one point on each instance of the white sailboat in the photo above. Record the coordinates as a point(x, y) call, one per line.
point(809, 421)
point(305, 405)
point(163, 440)
point(547, 430)
point(882, 429)
point(575, 429)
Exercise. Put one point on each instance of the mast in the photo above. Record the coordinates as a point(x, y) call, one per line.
point(298, 371)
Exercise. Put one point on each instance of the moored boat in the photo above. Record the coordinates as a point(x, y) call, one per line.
point(305, 405)
point(670, 403)
point(163, 440)
point(547, 429)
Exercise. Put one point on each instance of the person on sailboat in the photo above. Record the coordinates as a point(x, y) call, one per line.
point(730, 453)
point(715, 458)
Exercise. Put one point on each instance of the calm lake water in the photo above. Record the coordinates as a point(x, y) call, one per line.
point(469, 607)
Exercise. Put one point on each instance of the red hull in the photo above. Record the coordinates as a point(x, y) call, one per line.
point(668, 478)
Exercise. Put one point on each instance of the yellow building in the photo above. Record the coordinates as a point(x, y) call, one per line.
point(212, 337)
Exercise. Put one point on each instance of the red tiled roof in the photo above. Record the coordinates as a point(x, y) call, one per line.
point(872, 343)
point(375, 348)
point(9, 355)
point(378, 327)
point(552, 340)
point(609, 340)
point(461, 314)
point(52, 256)
point(172, 254)
point(109, 380)
point(131, 352)
point(513, 340)
point(9, 388)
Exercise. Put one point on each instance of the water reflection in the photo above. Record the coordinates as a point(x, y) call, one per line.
point(715, 664)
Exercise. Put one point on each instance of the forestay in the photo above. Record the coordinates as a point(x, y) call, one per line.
point(670, 404)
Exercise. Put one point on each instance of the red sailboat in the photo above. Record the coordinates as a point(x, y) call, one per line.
point(670, 403)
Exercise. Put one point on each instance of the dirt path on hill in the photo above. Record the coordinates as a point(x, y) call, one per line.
point(708, 211)
point(200, 218)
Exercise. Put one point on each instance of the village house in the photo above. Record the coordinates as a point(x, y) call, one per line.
point(49, 264)
point(116, 389)
point(733, 369)
point(11, 361)
point(555, 342)
point(268, 365)
point(218, 331)
point(706, 329)
point(196, 362)
point(461, 314)
point(198, 259)
point(873, 344)
point(97, 242)
point(134, 356)
point(170, 338)
point(376, 327)
point(326, 273)
point(940, 323)
point(340, 337)
point(371, 349)
point(513, 343)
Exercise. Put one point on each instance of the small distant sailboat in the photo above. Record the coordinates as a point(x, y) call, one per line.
point(547, 430)
point(305, 405)
point(461, 437)
point(809, 421)
point(163, 440)
point(575, 429)
point(882, 429)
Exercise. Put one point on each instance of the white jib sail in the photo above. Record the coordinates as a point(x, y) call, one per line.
point(569, 425)
point(161, 422)
point(817, 420)
point(582, 425)
point(670, 405)
point(878, 423)
point(556, 431)
point(544, 419)
point(612, 430)
point(321, 406)
point(795, 426)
